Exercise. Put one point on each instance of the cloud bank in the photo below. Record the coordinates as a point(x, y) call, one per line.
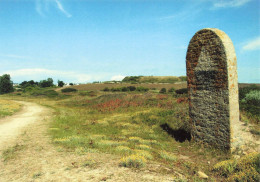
point(252, 45)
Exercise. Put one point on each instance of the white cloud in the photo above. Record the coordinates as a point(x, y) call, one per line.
point(39, 74)
point(14, 56)
point(230, 3)
point(188, 13)
point(42, 6)
point(38, 7)
point(252, 45)
point(60, 7)
point(117, 77)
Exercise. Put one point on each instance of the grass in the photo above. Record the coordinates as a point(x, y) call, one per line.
point(8, 107)
point(11, 152)
point(128, 125)
point(133, 161)
point(246, 168)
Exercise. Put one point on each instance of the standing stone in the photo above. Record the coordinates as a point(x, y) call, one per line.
point(212, 87)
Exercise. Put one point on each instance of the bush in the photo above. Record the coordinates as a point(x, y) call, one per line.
point(131, 88)
point(142, 89)
point(124, 89)
point(246, 168)
point(134, 161)
point(106, 89)
point(245, 90)
point(163, 91)
point(181, 91)
point(171, 90)
point(252, 98)
point(69, 90)
point(251, 104)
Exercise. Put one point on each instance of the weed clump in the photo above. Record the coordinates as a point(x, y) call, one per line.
point(245, 169)
point(168, 156)
point(144, 154)
point(133, 161)
point(123, 150)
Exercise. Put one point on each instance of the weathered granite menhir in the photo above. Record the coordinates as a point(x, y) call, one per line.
point(212, 87)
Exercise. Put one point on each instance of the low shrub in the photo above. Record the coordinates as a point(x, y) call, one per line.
point(124, 89)
point(171, 90)
point(163, 91)
point(181, 91)
point(245, 90)
point(65, 90)
point(134, 161)
point(168, 156)
point(246, 168)
point(106, 89)
point(142, 89)
point(131, 88)
point(251, 105)
point(43, 92)
point(252, 98)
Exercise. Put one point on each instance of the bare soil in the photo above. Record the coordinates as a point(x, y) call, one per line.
point(40, 160)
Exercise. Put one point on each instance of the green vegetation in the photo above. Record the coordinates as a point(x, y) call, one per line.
point(245, 169)
point(8, 107)
point(46, 83)
point(135, 161)
point(60, 83)
point(249, 98)
point(163, 91)
point(6, 85)
point(136, 123)
point(126, 89)
point(181, 91)
point(153, 79)
point(69, 90)
point(30, 83)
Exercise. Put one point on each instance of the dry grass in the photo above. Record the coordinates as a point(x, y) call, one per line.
point(8, 107)
point(101, 86)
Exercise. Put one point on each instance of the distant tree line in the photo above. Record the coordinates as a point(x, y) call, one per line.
point(43, 83)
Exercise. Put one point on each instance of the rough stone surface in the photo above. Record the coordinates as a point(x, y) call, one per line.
point(212, 87)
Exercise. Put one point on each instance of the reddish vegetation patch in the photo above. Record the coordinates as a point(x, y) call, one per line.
point(162, 97)
point(112, 105)
point(182, 100)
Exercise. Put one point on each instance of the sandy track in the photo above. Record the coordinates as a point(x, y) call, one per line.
point(39, 160)
point(11, 127)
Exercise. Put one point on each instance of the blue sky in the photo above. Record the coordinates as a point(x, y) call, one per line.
point(96, 40)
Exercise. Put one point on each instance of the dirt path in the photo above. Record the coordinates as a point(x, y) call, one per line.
point(39, 160)
point(244, 140)
point(11, 127)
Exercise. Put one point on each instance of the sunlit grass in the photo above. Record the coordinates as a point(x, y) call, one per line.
point(8, 107)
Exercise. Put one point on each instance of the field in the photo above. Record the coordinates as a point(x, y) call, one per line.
point(142, 128)
point(101, 86)
point(8, 108)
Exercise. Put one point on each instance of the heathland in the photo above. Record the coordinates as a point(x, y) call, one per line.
point(139, 126)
